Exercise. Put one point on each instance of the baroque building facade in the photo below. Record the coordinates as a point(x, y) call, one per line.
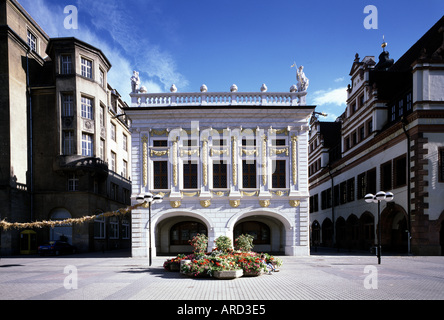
point(225, 163)
point(64, 138)
point(390, 138)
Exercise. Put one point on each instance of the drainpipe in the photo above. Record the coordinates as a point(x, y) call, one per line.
point(31, 166)
point(409, 223)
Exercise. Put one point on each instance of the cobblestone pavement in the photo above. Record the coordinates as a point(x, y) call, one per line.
point(115, 276)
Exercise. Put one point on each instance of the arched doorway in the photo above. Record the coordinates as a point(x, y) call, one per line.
point(172, 235)
point(341, 233)
point(352, 232)
point(268, 232)
point(327, 233)
point(63, 232)
point(394, 229)
point(259, 230)
point(315, 234)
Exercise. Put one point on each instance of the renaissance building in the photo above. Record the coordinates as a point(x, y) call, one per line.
point(226, 164)
point(390, 138)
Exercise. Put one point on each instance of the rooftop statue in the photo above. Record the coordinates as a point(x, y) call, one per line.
point(135, 81)
point(302, 79)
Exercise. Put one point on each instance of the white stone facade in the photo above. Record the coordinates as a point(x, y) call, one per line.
point(218, 126)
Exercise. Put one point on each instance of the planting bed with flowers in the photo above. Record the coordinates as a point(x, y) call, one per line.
point(222, 258)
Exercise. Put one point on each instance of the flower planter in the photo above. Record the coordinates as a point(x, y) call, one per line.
point(228, 274)
point(182, 262)
point(253, 273)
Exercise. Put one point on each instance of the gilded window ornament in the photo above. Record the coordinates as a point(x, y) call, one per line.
point(175, 204)
point(294, 143)
point(234, 158)
point(205, 162)
point(234, 203)
point(159, 153)
point(264, 203)
point(205, 203)
point(295, 203)
point(175, 163)
point(264, 160)
point(145, 160)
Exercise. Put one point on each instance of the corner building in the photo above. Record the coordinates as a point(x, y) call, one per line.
point(226, 163)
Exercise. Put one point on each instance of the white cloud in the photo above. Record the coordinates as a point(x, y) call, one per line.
point(336, 97)
point(339, 79)
point(127, 50)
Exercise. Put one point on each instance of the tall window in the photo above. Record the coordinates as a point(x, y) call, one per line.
point(113, 161)
point(87, 108)
point(441, 164)
point(219, 174)
point(400, 171)
point(87, 145)
point(113, 132)
point(66, 61)
point(125, 142)
point(67, 105)
point(32, 41)
point(279, 174)
point(102, 149)
point(86, 68)
point(249, 173)
point(125, 169)
point(68, 143)
point(189, 175)
point(260, 231)
point(182, 232)
point(160, 174)
point(114, 227)
point(386, 176)
point(102, 78)
point(99, 228)
point(73, 182)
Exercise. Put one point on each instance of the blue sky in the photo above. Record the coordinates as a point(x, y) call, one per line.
point(242, 42)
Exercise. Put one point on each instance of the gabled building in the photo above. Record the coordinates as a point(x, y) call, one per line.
point(392, 140)
point(65, 137)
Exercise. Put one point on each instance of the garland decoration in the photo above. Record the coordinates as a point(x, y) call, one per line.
point(4, 225)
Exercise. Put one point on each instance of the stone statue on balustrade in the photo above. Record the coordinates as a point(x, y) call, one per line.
point(135, 81)
point(302, 79)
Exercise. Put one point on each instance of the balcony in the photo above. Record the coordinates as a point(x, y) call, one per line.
point(76, 163)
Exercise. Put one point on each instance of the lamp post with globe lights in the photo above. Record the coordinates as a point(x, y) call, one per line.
point(380, 196)
point(146, 200)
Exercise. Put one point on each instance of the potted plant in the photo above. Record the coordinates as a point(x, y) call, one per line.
point(244, 242)
point(223, 244)
point(199, 243)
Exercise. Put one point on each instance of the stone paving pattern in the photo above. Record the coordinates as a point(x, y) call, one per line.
point(115, 276)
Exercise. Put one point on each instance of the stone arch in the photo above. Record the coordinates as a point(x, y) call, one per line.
point(394, 237)
point(281, 228)
point(162, 225)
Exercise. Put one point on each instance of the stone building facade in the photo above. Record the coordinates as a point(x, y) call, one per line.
point(65, 141)
point(390, 138)
point(225, 163)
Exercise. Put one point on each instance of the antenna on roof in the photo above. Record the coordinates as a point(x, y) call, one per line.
point(384, 44)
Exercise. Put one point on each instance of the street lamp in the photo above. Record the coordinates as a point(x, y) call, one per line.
point(380, 196)
point(147, 200)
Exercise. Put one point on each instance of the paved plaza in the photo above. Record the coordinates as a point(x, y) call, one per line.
point(321, 276)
